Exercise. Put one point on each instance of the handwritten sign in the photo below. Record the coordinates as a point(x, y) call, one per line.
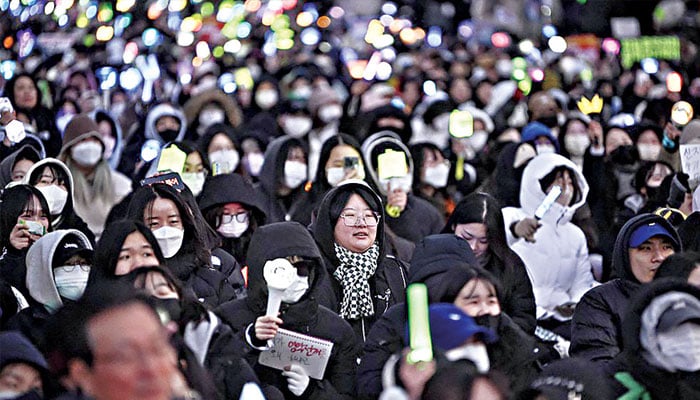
point(690, 163)
point(661, 47)
point(290, 347)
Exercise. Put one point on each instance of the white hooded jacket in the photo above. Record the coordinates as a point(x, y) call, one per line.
point(557, 263)
point(40, 278)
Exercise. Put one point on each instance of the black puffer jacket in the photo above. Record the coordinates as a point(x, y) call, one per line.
point(597, 323)
point(209, 285)
point(387, 285)
point(433, 256)
point(305, 316)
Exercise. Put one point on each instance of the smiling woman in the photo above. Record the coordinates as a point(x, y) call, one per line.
point(349, 230)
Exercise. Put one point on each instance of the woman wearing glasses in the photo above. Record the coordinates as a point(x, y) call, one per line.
point(232, 207)
point(364, 280)
point(58, 266)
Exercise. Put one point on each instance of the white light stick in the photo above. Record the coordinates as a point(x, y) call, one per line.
point(279, 275)
point(548, 202)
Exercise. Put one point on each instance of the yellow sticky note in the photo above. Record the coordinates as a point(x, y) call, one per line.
point(391, 164)
point(172, 159)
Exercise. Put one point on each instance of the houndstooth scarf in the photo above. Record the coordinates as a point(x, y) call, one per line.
point(353, 273)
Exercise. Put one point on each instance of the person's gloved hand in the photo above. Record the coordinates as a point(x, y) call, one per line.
point(297, 379)
point(526, 228)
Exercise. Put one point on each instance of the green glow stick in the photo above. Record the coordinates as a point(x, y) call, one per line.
point(418, 324)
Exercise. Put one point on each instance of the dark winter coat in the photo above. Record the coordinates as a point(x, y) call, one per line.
point(387, 285)
point(293, 207)
point(597, 322)
point(433, 256)
point(660, 384)
point(305, 316)
point(418, 220)
point(209, 285)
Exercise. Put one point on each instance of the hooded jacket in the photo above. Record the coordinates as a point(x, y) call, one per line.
point(44, 297)
point(557, 263)
point(305, 316)
point(420, 218)
point(68, 219)
point(433, 257)
point(387, 285)
point(597, 323)
point(632, 376)
point(294, 206)
point(8, 164)
point(220, 190)
point(132, 151)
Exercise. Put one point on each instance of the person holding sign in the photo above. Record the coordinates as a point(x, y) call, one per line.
point(391, 168)
point(349, 230)
point(285, 267)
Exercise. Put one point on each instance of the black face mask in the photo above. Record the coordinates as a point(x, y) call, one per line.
point(625, 155)
point(551, 121)
point(169, 135)
point(489, 321)
point(171, 306)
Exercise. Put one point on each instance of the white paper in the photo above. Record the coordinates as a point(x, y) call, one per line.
point(309, 352)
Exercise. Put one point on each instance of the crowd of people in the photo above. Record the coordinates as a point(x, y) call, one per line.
point(146, 229)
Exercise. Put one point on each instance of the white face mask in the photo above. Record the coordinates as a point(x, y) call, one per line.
point(335, 175)
point(545, 148)
point(648, 152)
point(169, 240)
point(576, 144)
point(330, 113)
point(441, 123)
point(266, 98)
point(478, 140)
point(117, 109)
point(301, 93)
point(211, 116)
point(224, 161)
point(403, 183)
point(233, 229)
point(296, 126)
point(296, 290)
point(87, 154)
point(294, 174)
point(254, 163)
point(437, 176)
point(194, 181)
point(474, 352)
point(55, 196)
point(683, 354)
point(71, 285)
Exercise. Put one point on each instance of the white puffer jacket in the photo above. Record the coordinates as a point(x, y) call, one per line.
point(557, 263)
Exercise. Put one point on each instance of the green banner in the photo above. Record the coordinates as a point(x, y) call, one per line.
point(659, 47)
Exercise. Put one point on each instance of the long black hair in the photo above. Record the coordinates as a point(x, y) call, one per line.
point(14, 202)
point(455, 279)
point(110, 245)
point(194, 241)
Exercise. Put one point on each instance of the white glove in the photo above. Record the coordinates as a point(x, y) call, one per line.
point(297, 379)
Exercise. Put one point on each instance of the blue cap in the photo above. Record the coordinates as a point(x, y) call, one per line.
point(649, 230)
point(450, 327)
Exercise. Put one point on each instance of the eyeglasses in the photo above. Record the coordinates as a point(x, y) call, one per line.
point(240, 217)
point(71, 268)
point(352, 218)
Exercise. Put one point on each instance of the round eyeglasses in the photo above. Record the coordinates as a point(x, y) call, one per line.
point(351, 218)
